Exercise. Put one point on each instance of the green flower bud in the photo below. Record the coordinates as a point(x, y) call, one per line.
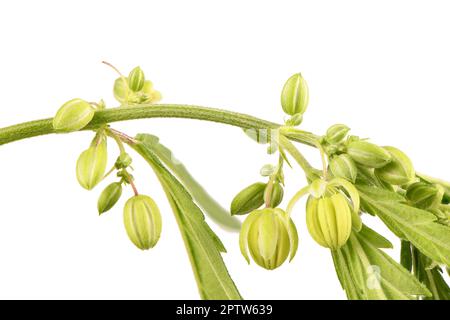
point(249, 199)
point(267, 170)
point(270, 236)
point(368, 154)
point(329, 220)
point(336, 133)
point(109, 197)
point(295, 95)
point(91, 164)
point(136, 79)
point(424, 196)
point(276, 194)
point(73, 115)
point(142, 221)
point(399, 171)
point(123, 161)
point(342, 166)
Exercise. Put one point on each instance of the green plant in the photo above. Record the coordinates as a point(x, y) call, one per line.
point(356, 177)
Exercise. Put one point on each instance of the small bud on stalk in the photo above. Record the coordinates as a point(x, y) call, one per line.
point(337, 133)
point(91, 164)
point(399, 171)
point(368, 154)
point(424, 196)
point(109, 197)
point(270, 235)
point(295, 95)
point(73, 115)
point(136, 79)
point(342, 166)
point(142, 221)
point(249, 199)
point(329, 220)
point(123, 161)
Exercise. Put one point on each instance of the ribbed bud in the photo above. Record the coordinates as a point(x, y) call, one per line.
point(424, 196)
point(295, 95)
point(368, 154)
point(73, 115)
point(136, 79)
point(276, 194)
point(329, 220)
point(142, 221)
point(342, 166)
point(399, 171)
point(337, 133)
point(109, 197)
point(91, 164)
point(270, 236)
point(123, 161)
point(249, 199)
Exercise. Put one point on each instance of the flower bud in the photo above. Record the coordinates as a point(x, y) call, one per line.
point(248, 199)
point(267, 170)
point(123, 161)
point(342, 166)
point(91, 164)
point(399, 171)
point(424, 196)
point(109, 197)
point(368, 154)
point(275, 196)
point(336, 133)
point(329, 220)
point(73, 115)
point(142, 221)
point(295, 95)
point(136, 79)
point(270, 235)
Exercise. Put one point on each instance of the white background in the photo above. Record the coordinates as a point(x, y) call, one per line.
point(382, 67)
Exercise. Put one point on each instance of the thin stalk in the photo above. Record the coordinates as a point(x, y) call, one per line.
point(311, 172)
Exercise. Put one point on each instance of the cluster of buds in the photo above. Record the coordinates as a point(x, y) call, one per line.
point(349, 153)
point(134, 89)
point(269, 234)
point(141, 215)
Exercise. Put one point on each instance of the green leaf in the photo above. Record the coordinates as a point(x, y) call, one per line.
point(406, 255)
point(203, 246)
point(409, 223)
point(367, 273)
point(210, 206)
point(431, 277)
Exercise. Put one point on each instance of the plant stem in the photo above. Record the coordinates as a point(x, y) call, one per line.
point(310, 171)
point(101, 117)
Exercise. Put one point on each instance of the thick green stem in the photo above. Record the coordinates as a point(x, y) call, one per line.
point(43, 127)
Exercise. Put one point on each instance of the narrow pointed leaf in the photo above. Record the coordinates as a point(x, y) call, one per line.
point(210, 206)
point(202, 245)
point(409, 223)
